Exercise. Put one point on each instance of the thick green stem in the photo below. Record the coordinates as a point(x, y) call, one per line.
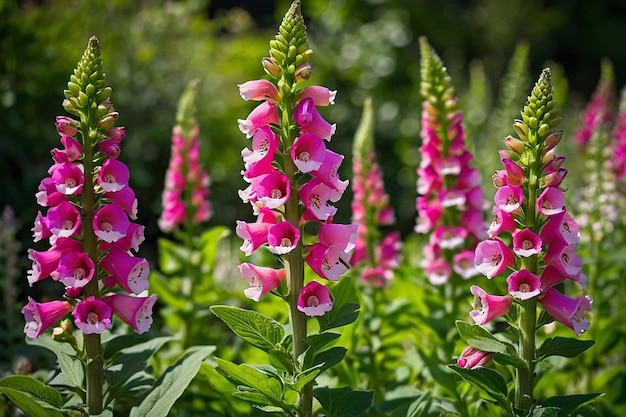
point(93, 345)
point(524, 381)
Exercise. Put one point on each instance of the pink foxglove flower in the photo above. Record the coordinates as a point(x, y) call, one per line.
point(509, 198)
point(64, 220)
point(113, 176)
point(328, 261)
point(134, 311)
point(315, 299)
point(472, 358)
point(75, 270)
point(310, 121)
point(92, 316)
point(282, 238)
point(68, 178)
point(258, 90)
point(261, 279)
point(492, 257)
point(41, 316)
point(110, 223)
point(523, 284)
point(569, 311)
point(551, 202)
point(263, 115)
point(130, 272)
point(308, 152)
point(487, 307)
point(450, 202)
point(526, 243)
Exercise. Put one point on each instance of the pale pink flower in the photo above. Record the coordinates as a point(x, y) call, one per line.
point(487, 307)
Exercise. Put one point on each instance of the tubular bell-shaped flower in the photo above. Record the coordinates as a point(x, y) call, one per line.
point(449, 187)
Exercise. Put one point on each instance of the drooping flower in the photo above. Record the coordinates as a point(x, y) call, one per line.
point(41, 316)
point(569, 311)
point(471, 358)
point(487, 307)
point(315, 299)
point(134, 311)
point(261, 279)
point(92, 316)
point(492, 257)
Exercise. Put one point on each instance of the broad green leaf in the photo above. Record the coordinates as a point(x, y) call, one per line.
point(280, 359)
point(172, 256)
point(32, 396)
point(343, 402)
point(479, 338)
point(247, 375)
point(544, 412)
point(319, 340)
point(304, 378)
point(172, 383)
point(566, 347)
point(210, 241)
point(169, 296)
point(329, 357)
point(66, 355)
point(486, 379)
point(255, 328)
point(117, 343)
point(130, 361)
point(339, 316)
point(568, 403)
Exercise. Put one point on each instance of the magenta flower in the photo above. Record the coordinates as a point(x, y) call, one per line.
point(471, 358)
point(564, 258)
point(253, 234)
point(41, 228)
point(315, 299)
point(113, 176)
point(282, 237)
point(308, 152)
point(264, 114)
point(438, 271)
point(514, 173)
point(68, 178)
point(259, 160)
point(134, 311)
point(129, 272)
point(551, 201)
point(46, 262)
point(92, 316)
point(315, 196)
point(66, 126)
point(64, 220)
point(502, 221)
point(569, 311)
point(492, 257)
point(261, 279)
point(526, 243)
point(321, 96)
point(125, 199)
point(75, 270)
point(328, 172)
point(268, 190)
point(449, 237)
point(258, 90)
point(523, 284)
point(72, 150)
point(310, 121)
point(41, 316)
point(47, 195)
point(487, 307)
point(341, 235)
point(561, 227)
point(110, 223)
point(327, 261)
point(509, 198)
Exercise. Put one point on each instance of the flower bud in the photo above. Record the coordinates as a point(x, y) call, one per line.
point(303, 72)
point(270, 67)
point(514, 144)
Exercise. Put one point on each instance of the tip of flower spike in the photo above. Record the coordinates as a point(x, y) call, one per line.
point(540, 113)
point(290, 47)
point(435, 83)
point(86, 84)
point(186, 110)
point(364, 135)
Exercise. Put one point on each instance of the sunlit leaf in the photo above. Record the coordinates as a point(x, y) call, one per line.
point(255, 328)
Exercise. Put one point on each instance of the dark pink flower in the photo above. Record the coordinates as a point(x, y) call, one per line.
point(268, 190)
point(259, 160)
point(41, 229)
point(282, 238)
point(130, 273)
point(125, 199)
point(321, 96)
point(514, 173)
point(315, 299)
point(526, 243)
point(502, 221)
point(487, 307)
point(341, 235)
point(92, 316)
point(75, 270)
point(68, 178)
point(261, 279)
point(44, 263)
point(47, 195)
point(551, 201)
point(310, 121)
point(523, 284)
point(569, 311)
point(315, 196)
point(113, 175)
point(41, 316)
point(472, 358)
point(328, 171)
point(134, 311)
point(308, 152)
point(492, 257)
point(110, 223)
point(564, 258)
point(509, 198)
point(64, 220)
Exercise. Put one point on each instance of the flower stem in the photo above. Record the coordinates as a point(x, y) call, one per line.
point(93, 345)
point(524, 381)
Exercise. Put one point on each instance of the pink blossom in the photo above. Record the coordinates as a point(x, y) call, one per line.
point(64, 220)
point(321, 96)
point(134, 311)
point(110, 223)
point(564, 258)
point(92, 316)
point(75, 270)
point(315, 196)
point(463, 264)
point(261, 279)
point(258, 90)
point(113, 175)
point(551, 201)
point(487, 307)
point(310, 121)
point(308, 152)
point(259, 160)
point(66, 126)
point(268, 190)
point(264, 114)
point(129, 272)
point(472, 358)
point(509, 198)
point(438, 271)
point(328, 171)
point(492, 257)
point(523, 284)
point(44, 263)
point(47, 195)
point(449, 237)
point(41, 229)
point(315, 299)
point(41, 316)
point(514, 173)
point(561, 227)
point(526, 243)
point(342, 236)
point(569, 311)
point(126, 200)
point(428, 214)
point(253, 234)
point(502, 221)
point(550, 277)
point(282, 238)
point(327, 261)
point(68, 178)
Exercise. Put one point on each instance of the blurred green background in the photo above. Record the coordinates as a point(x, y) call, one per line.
point(151, 49)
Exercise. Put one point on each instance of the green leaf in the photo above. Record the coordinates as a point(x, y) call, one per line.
point(329, 357)
point(304, 378)
point(568, 403)
point(566, 347)
point(255, 328)
point(130, 361)
point(319, 340)
point(343, 402)
point(479, 338)
point(172, 256)
point(116, 344)
point(248, 375)
point(172, 383)
point(209, 241)
point(66, 355)
point(161, 286)
point(544, 412)
point(32, 396)
point(486, 379)
point(339, 316)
